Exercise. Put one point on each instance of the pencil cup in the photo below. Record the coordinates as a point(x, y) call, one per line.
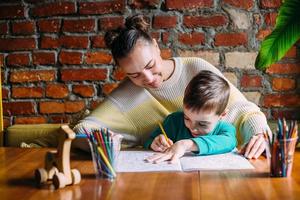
point(105, 151)
point(282, 156)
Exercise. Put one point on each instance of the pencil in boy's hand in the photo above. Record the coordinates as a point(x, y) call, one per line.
point(164, 133)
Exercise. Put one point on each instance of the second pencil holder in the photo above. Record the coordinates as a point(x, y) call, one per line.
point(105, 150)
point(282, 157)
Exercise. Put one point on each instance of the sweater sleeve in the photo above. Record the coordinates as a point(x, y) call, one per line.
point(248, 120)
point(222, 141)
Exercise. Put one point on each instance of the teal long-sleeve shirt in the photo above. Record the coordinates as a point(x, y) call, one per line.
point(221, 139)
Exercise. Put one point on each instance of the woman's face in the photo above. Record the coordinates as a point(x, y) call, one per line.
point(143, 65)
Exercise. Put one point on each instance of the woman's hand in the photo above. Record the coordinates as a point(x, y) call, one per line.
point(160, 143)
point(255, 147)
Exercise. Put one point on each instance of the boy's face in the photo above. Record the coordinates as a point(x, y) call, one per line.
point(200, 123)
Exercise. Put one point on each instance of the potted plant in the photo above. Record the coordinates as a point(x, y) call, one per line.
point(283, 37)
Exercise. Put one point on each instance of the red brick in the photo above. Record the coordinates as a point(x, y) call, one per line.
point(66, 57)
point(32, 76)
point(23, 28)
point(53, 9)
point(281, 100)
point(51, 107)
point(18, 59)
point(98, 58)
point(30, 120)
point(16, 44)
point(288, 68)
point(8, 12)
point(27, 92)
point(245, 4)
point(192, 38)
point(79, 25)
point(165, 37)
point(287, 114)
point(188, 4)
point(74, 106)
point(251, 81)
point(95, 104)
point(283, 84)
point(166, 53)
point(83, 74)
point(109, 87)
point(200, 21)
point(270, 18)
point(73, 42)
point(270, 3)
point(142, 4)
point(231, 39)
point(3, 28)
point(3, 79)
point(60, 119)
point(292, 53)
point(119, 74)
point(164, 21)
point(57, 91)
point(98, 41)
point(262, 33)
point(1, 60)
point(155, 35)
point(5, 93)
point(49, 26)
point(102, 7)
point(43, 58)
point(84, 90)
point(6, 122)
point(18, 108)
point(109, 23)
point(49, 42)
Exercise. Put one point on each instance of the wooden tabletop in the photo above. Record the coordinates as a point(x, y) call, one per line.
point(17, 181)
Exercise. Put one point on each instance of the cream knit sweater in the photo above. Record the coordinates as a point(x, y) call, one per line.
point(134, 111)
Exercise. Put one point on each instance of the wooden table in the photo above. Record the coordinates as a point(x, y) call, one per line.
point(17, 182)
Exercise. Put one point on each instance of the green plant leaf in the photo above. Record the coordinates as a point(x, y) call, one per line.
point(282, 38)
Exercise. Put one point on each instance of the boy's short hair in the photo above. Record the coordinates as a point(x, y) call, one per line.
point(207, 92)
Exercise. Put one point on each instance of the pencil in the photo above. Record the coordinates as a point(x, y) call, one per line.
point(106, 161)
point(164, 133)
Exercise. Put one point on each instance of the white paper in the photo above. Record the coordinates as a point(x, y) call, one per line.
point(227, 161)
point(134, 161)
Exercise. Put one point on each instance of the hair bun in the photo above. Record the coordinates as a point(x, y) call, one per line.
point(137, 22)
point(110, 36)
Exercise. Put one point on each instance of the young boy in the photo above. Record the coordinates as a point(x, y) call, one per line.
point(198, 128)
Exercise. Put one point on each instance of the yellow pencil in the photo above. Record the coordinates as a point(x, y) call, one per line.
point(164, 133)
point(107, 162)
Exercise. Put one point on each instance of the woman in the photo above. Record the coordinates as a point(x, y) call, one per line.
point(154, 88)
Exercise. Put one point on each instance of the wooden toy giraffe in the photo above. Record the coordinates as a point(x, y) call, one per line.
point(57, 163)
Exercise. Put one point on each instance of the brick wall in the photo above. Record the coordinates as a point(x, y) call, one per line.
point(55, 64)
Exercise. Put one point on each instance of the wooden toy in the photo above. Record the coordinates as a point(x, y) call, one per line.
point(57, 163)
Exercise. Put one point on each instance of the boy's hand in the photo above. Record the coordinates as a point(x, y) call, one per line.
point(160, 144)
point(175, 152)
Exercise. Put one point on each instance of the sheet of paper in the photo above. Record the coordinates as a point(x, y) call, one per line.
point(227, 161)
point(134, 161)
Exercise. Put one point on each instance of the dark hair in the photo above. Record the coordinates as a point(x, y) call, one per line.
point(122, 40)
point(208, 92)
